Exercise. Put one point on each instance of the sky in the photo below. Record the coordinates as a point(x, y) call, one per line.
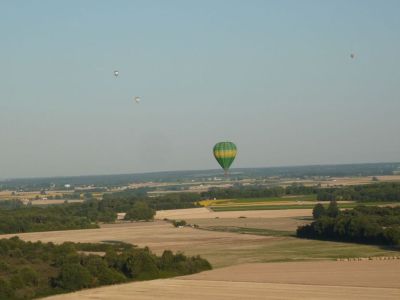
point(274, 77)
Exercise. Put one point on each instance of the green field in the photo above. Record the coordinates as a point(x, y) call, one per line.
point(258, 207)
point(259, 201)
point(289, 206)
point(272, 199)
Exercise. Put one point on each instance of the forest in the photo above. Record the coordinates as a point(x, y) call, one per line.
point(30, 270)
point(18, 218)
point(363, 224)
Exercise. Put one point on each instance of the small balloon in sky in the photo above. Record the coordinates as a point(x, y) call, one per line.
point(137, 99)
point(116, 73)
point(352, 55)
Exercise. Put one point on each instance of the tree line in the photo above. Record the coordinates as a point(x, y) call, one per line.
point(384, 191)
point(258, 191)
point(32, 219)
point(16, 217)
point(30, 270)
point(363, 224)
point(122, 200)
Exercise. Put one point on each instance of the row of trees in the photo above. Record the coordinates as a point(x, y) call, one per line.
point(385, 191)
point(124, 199)
point(29, 270)
point(258, 191)
point(370, 225)
point(67, 216)
point(16, 217)
point(31, 219)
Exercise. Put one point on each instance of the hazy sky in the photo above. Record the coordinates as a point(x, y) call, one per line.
point(275, 77)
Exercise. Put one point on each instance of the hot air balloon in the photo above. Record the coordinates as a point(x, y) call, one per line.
point(352, 55)
point(116, 73)
point(137, 99)
point(225, 153)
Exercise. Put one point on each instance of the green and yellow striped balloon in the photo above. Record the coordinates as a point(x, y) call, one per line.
point(225, 153)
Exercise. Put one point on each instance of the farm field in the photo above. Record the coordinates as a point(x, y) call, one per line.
point(263, 200)
point(261, 207)
point(285, 206)
point(298, 280)
point(220, 248)
point(268, 263)
point(271, 207)
point(277, 203)
point(207, 213)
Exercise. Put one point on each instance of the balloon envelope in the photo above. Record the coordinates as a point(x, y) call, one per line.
point(116, 73)
point(225, 153)
point(137, 99)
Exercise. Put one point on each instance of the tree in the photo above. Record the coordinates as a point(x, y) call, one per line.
point(333, 209)
point(141, 264)
point(74, 277)
point(318, 211)
point(140, 211)
point(6, 292)
point(167, 260)
point(392, 236)
point(98, 267)
point(29, 276)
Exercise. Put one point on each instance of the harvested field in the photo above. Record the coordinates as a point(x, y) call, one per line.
point(220, 248)
point(303, 280)
point(205, 213)
point(158, 236)
point(370, 273)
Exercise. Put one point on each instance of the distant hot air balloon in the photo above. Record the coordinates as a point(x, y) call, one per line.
point(116, 73)
point(352, 55)
point(137, 99)
point(225, 153)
